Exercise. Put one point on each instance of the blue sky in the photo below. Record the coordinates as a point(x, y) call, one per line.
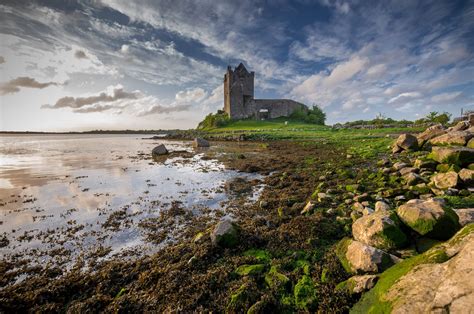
point(118, 64)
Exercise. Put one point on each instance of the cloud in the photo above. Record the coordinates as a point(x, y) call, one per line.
point(446, 97)
point(158, 109)
point(81, 104)
point(404, 97)
point(2, 60)
point(191, 95)
point(14, 85)
point(80, 54)
point(340, 6)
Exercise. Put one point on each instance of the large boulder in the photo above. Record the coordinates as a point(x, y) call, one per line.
point(359, 258)
point(453, 155)
point(380, 229)
point(452, 138)
point(429, 217)
point(406, 142)
point(200, 142)
point(437, 281)
point(225, 234)
point(429, 133)
point(445, 180)
point(159, 150)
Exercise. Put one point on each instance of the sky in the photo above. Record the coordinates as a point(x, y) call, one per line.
point(151, 64)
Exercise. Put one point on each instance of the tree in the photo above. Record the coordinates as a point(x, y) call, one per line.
point(436, 117)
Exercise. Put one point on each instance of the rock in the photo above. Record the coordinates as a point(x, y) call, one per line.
point(358, 258)
point(396, 149)
point(225, 234)
point(200, 142)
point(445, 180)
point(381, 206)
point(453, 155)
point(412, 179)
point(437, 281)
point(399, 165)
point(470, 144)
point(408, 170)
point(425, 164)
point(380, 229)
point(429, 133)
point(461, 126)
point(358, 284)
point(466, 215)
point(437, 288)
point(407, 142)
point(452, 138)
point(159, 150)
point(367, 211)
point(466, 175)
point(431, 218)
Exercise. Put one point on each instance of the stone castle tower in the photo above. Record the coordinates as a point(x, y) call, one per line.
point(239, 101)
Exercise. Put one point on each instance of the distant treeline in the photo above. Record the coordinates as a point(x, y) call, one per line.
point(381, 121)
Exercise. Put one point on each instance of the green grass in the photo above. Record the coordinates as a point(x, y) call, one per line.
point(362, 142)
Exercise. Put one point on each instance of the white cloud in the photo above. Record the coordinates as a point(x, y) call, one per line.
point(404, 97)
point(446, 97)
point(191, 95)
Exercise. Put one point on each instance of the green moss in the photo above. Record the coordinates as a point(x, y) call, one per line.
point(276, 280)
point(459, 201)
point(305, 293)
point(374, 301)
point(250, 270)
point(341, 249)
point(342, 286)
point(304, 265)
point(325, 277)
point(261, 255)
point(240, 299)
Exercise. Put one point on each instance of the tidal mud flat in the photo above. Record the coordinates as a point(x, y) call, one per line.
point(68, 200)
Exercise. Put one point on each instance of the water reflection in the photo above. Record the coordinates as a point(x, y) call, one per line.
point(63, 190)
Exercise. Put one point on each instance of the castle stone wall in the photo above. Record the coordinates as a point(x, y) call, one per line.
point(276, 108)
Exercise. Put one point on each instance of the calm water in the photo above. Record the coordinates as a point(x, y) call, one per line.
point(57, 191)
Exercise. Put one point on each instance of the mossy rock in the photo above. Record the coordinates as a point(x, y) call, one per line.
point(430, 218)
point(341, 249)
point(250, 270)
point(453, 155)
point(260, 255)
point(375, 300)
point(242, 298)
point(276, 280)
point(305, 293)
point(380, 229)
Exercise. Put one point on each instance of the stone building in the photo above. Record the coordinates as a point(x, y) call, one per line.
point(239, 101)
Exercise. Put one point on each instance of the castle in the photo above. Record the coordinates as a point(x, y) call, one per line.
point(239, 102)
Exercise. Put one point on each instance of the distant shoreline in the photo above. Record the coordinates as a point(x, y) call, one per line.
point(90, 132)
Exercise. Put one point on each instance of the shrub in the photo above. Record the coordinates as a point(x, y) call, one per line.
point(214, 120)
point(314, 115)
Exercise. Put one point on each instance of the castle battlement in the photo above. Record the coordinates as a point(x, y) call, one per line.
point(239, 101)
